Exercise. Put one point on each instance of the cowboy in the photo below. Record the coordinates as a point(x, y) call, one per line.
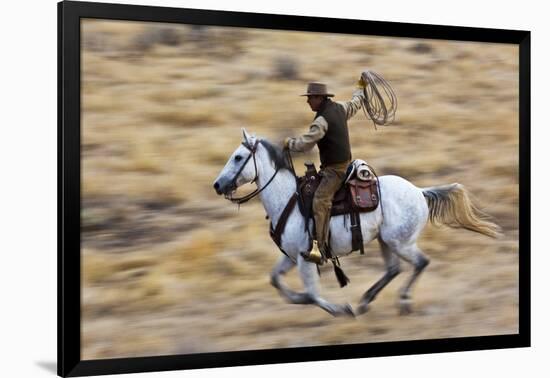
point(329, 131)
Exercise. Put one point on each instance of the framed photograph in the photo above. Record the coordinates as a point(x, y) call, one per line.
point(242, 188)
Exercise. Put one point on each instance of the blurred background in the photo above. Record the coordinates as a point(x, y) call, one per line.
point(171, 268)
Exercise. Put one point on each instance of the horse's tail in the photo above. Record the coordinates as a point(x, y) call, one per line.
point(451, 205)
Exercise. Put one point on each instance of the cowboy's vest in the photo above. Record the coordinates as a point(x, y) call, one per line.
point(334, 147)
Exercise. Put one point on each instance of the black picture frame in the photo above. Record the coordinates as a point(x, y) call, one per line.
point(70, 362)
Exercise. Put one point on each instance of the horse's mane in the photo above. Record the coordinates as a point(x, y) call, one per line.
point(276, 155)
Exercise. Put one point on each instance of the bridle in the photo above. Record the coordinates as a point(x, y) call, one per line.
point(233, 183)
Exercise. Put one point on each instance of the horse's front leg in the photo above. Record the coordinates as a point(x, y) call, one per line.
point(310, 278)
point(284, 265)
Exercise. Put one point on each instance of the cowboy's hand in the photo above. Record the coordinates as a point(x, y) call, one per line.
point(361, 83)
point(286, 144)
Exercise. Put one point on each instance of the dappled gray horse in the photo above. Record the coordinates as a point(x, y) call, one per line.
point(397, 223)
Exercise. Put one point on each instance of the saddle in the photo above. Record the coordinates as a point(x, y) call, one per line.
point(358, 194)
point(355, 194)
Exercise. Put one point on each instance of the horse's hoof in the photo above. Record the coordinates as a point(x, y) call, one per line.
point(345, 310)
point(361, 309)
point(349, 310)
point(405, 307)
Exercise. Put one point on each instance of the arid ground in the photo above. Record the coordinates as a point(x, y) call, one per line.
point(169, 267)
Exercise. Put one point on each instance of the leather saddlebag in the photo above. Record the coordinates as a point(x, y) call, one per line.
point(364, 194)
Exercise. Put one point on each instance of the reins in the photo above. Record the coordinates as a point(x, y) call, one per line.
point(252, 155)
point(288, 157)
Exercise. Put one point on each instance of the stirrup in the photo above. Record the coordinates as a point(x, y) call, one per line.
point(315, 255)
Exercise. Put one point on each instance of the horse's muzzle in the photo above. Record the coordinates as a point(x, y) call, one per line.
point(224, 189)
point(217, 188)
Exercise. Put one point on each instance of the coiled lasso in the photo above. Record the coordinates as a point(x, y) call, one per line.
point(380, 103)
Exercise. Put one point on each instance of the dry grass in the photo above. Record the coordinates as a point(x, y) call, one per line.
point(169, 267)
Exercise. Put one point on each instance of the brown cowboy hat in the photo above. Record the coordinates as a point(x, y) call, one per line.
point(317, 89)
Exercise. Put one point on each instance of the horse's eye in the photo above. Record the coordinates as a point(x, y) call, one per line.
point(238, 158)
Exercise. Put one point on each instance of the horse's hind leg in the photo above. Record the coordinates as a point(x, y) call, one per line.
point(392, 270)
point(284, 265)
point(413, 255)
point(310, 278)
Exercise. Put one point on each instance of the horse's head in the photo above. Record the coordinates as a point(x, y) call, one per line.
point(240, 168)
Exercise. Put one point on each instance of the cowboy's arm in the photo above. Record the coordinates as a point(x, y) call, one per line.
point(352, 106)
point(305, 142)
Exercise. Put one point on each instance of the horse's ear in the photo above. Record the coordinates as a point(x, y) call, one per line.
point(247, 137)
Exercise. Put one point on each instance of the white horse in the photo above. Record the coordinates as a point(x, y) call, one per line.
point(397, 223)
